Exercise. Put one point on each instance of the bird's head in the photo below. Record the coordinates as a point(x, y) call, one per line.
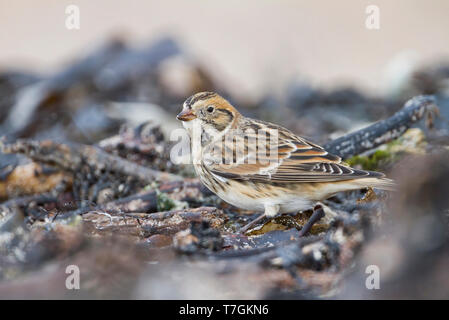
point(209, 110)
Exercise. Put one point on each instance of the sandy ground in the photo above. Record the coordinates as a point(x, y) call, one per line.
point(254, 45)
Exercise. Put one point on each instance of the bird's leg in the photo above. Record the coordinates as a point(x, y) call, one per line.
point(270, 211)
point(317, 214)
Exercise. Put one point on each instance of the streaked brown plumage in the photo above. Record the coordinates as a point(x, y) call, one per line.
point(288, 175)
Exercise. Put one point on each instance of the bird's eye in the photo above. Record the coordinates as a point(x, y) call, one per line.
point(210, 109)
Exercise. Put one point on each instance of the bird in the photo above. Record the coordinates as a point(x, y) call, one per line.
point(260, 166)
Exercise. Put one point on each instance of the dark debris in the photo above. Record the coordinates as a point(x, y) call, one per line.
point(102, 193)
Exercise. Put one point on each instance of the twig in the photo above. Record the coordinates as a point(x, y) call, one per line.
point(23, 202)
point(383, 131)
point(72, 156)
point(318, 213)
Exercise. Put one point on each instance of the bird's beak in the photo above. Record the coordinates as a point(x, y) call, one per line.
point(186, 115)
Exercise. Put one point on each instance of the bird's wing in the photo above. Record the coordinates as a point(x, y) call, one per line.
point(286, 159)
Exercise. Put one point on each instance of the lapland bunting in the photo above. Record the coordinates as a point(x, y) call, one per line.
point(260, 166)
